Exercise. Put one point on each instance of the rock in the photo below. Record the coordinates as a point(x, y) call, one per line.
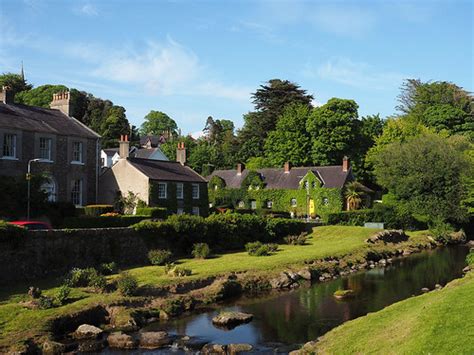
point(343, 294)
point(406, 252)
point(466, 269)
point(458, 237)
point(53, 348)
point(372, 266)
point(87, 331)
point(305, 274)
point(154, 340)
point(213, 349)
point(470, 243)
point(121, 340)
point(91, 346)
point(425, 290)
point(231, 319)
point(282, 281)
point(389, 260)
point(383, 262)
point(238, 348)
point(388, 236)
point(191, 344)
point(438, 287)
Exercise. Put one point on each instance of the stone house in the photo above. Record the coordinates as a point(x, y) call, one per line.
point(159, 183)
point(56, 145)
point(315, 191)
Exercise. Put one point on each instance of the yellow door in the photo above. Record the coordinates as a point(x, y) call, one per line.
point(312, 210)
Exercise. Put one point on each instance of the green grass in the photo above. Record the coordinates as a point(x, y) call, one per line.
point(439, 322)
point(18, 324)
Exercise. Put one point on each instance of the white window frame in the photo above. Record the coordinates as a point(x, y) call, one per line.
point(76, 196)
point(195, 188)
point(325, 201)
point(269, 204)
point(179, 190)
point(253, 205)
point(293, 202)
point(196, 211)
point(11, 149)
point(241, 204)
point(163, 194)
point(81, 152)
point(47, 149)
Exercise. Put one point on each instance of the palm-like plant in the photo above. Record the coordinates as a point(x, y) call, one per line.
point(353, 195)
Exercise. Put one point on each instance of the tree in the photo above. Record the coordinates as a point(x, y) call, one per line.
point(40, 96)
point(353, 195)
point(333, 131)
point(158, 123)
point(114, 126)
point(15, 82)
point(426, 175)
point(290, 141)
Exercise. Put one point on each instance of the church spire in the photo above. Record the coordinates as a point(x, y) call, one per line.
point(22, 73)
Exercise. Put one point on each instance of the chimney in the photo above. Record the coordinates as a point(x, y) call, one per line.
point(345, 164)
point(124, 147)
point(7, 96)
point(240, 168)
point(181, 153)
point(61, 102)
point(287, 167)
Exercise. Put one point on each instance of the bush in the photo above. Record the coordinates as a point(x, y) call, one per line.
point(259, 249)
point(178, 271)
point(108, 268)
point(153, 212)
point(97, 210)
point(279, 228)
point(11, 232)
point(296, 239)
point(127, 285)
point(441, 231)
point(45, 302)
point(62, 295)
point(101, 221)
point(34, 292)
point(89, 277)
point(470, 258)
point(159, 256)
point(201, 251)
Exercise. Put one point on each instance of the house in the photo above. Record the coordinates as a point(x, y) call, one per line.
point(109, 157)
point(315, 191)
point(53, 144)
point(160, 183)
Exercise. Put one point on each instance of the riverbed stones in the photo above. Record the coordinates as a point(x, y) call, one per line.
point(425, 290)
point(438, 287)
point(388, 236)
point(119, 340)
point(91, 345)
point(281, 281)
point(305, 274)
point(154, 340)
point(87, 331)
point(50, 347)
point(231, 319)
point(213, 349)
point(466, 269)
point(238, 348)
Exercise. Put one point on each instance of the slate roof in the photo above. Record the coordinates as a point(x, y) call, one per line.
point(155, 140)
point(147, 153)
point(276, 178)
point(38, 119)
point(166, 170)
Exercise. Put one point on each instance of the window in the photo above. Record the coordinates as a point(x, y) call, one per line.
point(49, 187)
point(293, 202)
point(45, 148)
point(9, 145)
point(314, 184)
point(77, 152)
point(325, 201)
point(306, 184)
point(76, 192)
point(195, 191)
point(180, 211)
point(162, 187)
point(241, 204)
point(179, 191)
point(196, 211)
point(269, 204)
point(253, 205)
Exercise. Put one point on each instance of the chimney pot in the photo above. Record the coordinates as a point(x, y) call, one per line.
point(181, 153)
point(345, 164)
point(240, 168)
point(61, 102)
point(124, 147)
point(287, 167)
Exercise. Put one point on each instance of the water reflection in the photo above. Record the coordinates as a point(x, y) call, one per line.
point(299, 316)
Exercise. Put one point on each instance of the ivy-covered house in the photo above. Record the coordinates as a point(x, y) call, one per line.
point(315, 191)
point(159, 183)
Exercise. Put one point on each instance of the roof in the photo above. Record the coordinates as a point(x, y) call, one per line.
point(151, 153)
point(166, 170)
point(276, 178)
point(111, 151)
point(155, 140)
point(38, 119)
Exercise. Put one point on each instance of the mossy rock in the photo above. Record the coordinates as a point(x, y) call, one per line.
point(343, 294)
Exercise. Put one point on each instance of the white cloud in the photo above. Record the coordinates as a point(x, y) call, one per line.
point(88, 9)
point(356, 74)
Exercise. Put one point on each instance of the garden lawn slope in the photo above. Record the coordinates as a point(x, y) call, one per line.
point(438, 322)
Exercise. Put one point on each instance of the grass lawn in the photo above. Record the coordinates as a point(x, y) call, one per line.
point(439, 322)
point(18, 323)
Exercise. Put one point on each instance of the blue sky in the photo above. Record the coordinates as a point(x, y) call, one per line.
point(192, 59)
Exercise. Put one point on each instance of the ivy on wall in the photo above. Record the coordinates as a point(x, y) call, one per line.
point(326, 200)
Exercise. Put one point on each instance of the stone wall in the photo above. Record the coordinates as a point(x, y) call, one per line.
point(49, 253)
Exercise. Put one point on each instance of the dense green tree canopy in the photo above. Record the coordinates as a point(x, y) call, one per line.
point(15, 81)
point(114, 126)
point(333, 131)
point(290, 141)
point(427, 176)
point(157, 123)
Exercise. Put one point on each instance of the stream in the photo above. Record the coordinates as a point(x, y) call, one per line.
point(284, 321)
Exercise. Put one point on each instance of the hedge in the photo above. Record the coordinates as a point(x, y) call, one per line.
point(101, 222)
point(11, 232)
point(229, 231)
point(97, 210)
point(153, 212)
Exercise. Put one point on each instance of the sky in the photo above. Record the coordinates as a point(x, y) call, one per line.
point(194, 59)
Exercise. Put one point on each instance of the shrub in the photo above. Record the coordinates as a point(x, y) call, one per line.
point(252, 247)
point(45, 302)
point(201, 251)
point(259, 249)
point(178, 271)
point(470, 258)
point(153, 212)
point(34, 292)
point(296, 239)
point(441, 231)
point(101, 221)
point(62, 295)
point(127, 285)
point(97, 210)
point(282, 227)
point(108, 268)
point(11, 232)
point(98, 282)
point(159, 256)
point(89, 277)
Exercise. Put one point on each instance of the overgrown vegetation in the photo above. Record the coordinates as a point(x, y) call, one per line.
point(159, 256)
point(201, 251)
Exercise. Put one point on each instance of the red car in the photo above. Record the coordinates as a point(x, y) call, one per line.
point(32, 225)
